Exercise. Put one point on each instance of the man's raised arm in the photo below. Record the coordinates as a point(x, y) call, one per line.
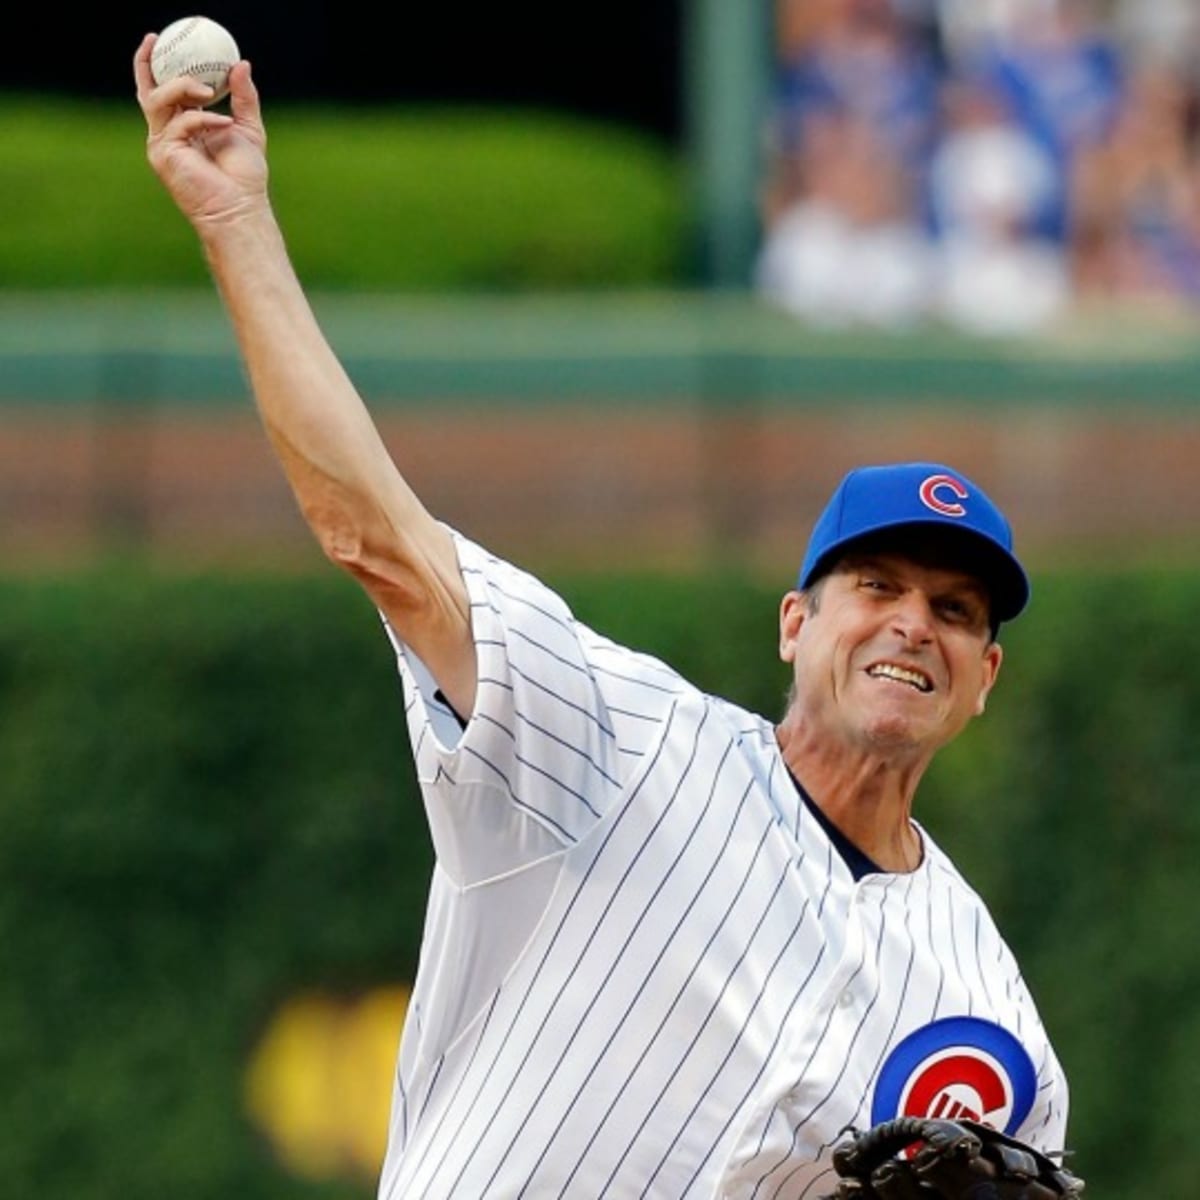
point(361, 510)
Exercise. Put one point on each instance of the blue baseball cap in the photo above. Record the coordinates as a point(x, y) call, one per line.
point(906, 496)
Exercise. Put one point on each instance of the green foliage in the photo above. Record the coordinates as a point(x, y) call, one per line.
point(207, 804)
point(405, 200)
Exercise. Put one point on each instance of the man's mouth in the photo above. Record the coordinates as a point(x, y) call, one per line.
point(909, 675)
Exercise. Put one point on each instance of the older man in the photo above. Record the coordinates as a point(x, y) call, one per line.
point(672, 948)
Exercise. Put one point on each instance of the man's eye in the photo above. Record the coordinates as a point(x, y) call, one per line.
point(957, 610)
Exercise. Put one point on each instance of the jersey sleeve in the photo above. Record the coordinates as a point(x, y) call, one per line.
point(538, 761)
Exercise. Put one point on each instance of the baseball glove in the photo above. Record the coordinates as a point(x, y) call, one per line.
point(946, 1160)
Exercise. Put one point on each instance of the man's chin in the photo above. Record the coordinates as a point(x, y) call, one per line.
point(898, 731)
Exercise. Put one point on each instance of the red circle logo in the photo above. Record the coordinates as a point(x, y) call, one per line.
point(959, 1086)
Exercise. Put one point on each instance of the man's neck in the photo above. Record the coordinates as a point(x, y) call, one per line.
point(867, 797)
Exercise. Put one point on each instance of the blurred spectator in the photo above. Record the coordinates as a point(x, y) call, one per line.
point(923, 19)
point(856, 122)
point(989, 183)
point(968, 25)
point(1166, 32)
point(857, 57)
point(847, 249)
point(1136, 228)
point(1058, 72)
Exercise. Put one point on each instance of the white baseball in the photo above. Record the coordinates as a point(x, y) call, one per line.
point(198, 47)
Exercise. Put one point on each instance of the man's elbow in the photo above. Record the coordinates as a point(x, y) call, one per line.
point(382, 565)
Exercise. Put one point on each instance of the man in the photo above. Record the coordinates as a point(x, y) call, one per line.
point(671, 950)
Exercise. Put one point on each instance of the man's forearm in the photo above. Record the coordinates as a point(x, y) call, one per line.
point(330, 448)
point(358, 505)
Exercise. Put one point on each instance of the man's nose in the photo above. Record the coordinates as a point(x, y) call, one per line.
point(912, 617)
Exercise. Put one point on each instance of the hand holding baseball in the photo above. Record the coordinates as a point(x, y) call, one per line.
point(213, 164)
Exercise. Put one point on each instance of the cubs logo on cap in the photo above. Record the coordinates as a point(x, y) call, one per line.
point(934, 490)
point(901, 496)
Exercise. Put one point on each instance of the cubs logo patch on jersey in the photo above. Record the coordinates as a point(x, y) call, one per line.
point(956, 1068)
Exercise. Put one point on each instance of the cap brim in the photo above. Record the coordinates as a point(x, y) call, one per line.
point(976, 553)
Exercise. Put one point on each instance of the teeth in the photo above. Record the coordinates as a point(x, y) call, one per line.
point(901, 675)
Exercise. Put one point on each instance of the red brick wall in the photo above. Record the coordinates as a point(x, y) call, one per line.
point(602, 486)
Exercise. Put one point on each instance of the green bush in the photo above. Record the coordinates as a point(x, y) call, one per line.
point(207, 804)
point(406, 200)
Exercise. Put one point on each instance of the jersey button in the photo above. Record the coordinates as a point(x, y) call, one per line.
point(846, 998)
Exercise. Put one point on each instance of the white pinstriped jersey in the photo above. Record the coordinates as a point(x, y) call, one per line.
point(646, 971)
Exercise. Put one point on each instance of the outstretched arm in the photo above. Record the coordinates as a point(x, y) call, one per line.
point(358, 505)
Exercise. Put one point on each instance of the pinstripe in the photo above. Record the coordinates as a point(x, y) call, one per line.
point(606, 978)
point(717, 1074)
point(561, 699)
point(536, 644)
point(954, 945)
point(420, 743)
point(983, 979)
point(403, 1097)
point(542, 611)
point(528, 763)
point(795, 1000)
point(549, 949)
point(602, 649)
point(437, 1074)
point(628, 712)
point(849, 1049)
point(488, 681)
point(908, 974)
point(898, 1007)
point(625, 677)
point(570, 975)
point(554, 737)
point(646, 979)
point(660, 1028)
point(941, 965)
point(824, 1180)
point(828, 872)
point(540, 813)
point(437, 1071)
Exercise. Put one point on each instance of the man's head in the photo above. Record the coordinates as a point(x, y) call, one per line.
point(891, 632)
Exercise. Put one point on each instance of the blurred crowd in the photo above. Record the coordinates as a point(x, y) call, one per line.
point(987, 163)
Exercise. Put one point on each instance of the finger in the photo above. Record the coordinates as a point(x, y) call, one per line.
point(161, 103)
point(190, 122)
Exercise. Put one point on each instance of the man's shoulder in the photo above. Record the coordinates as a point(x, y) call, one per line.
point(626, 673)
point(746, 725)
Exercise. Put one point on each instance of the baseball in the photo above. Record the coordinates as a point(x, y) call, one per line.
point(198, 47)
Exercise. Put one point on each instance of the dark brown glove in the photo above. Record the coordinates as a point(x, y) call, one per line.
point(945, 1160)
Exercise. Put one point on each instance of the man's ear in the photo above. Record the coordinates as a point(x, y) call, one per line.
point(993, 656)
point(793, 612)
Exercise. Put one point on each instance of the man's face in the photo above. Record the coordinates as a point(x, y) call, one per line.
point(893, 654)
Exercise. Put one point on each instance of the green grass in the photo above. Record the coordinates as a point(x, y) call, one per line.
point(411, 200)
